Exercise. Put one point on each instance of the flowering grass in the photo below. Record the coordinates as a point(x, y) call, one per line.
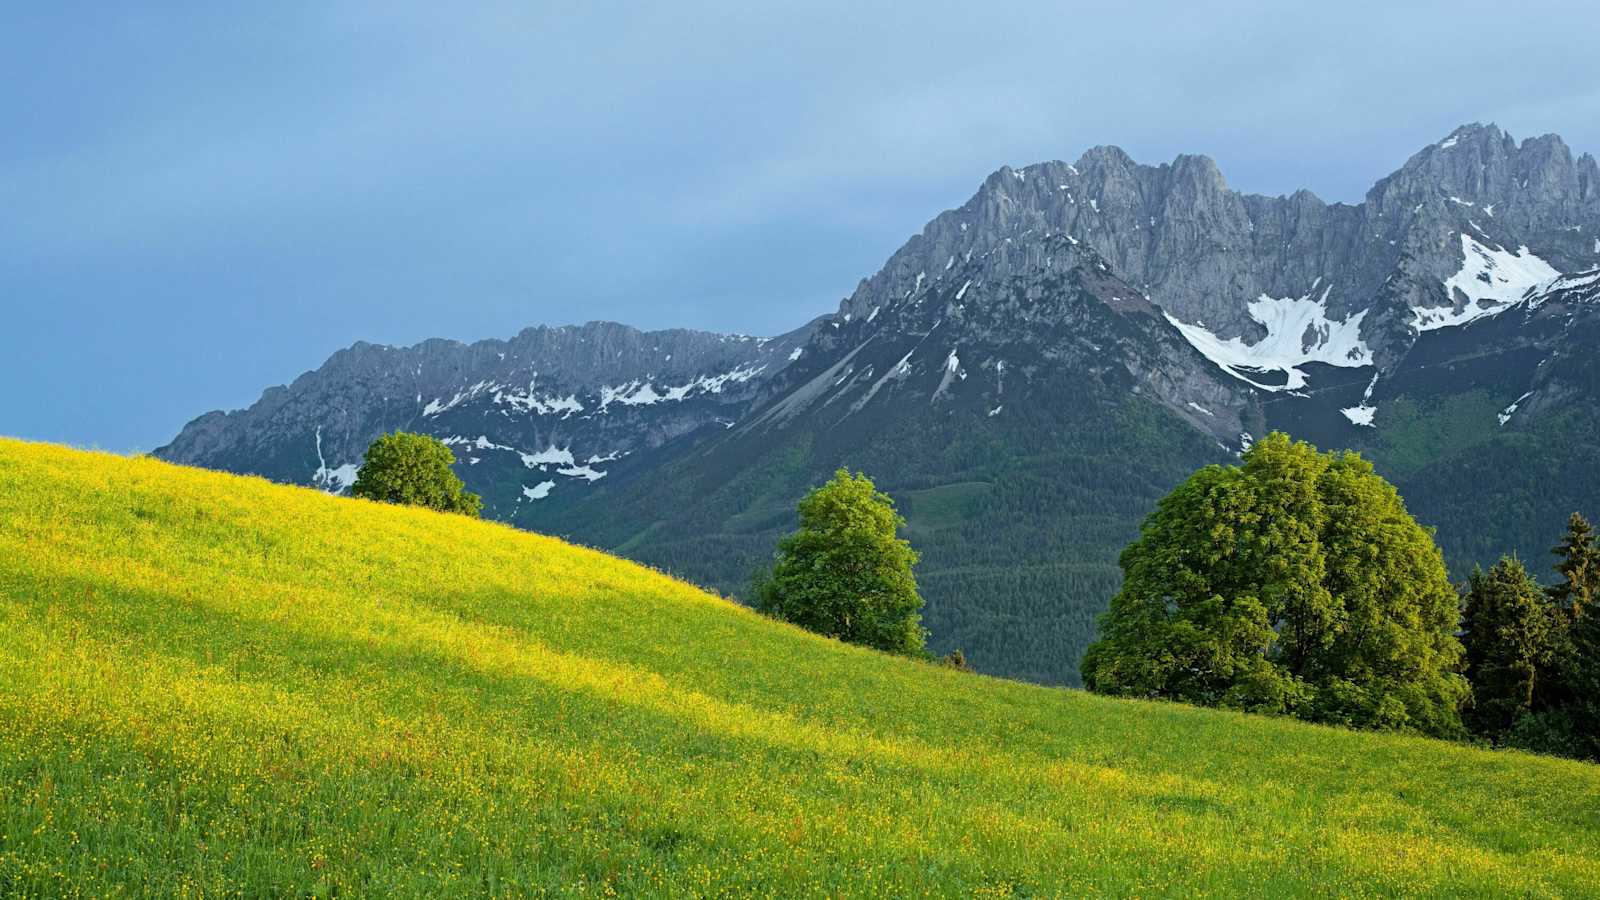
point(212, 685)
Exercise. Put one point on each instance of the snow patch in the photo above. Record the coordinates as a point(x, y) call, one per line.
point(1492, 280)
point(1505, 415)
point(439, 405)
point(481, 442)
point(1360, 415)
point(643, 393)
point(336, 480)
point(1201, 409)
point(538, 491)
point(551, 456)
point(634, 393)
point(585, 472)
point(543, 405)
point(1290, 322)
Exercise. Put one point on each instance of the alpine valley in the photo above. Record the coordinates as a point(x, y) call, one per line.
point(1028, 376)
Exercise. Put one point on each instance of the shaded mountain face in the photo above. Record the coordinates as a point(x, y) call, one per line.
point(1031, 373)
point(537, 417)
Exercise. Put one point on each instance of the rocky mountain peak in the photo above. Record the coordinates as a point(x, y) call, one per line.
point(1535, 185)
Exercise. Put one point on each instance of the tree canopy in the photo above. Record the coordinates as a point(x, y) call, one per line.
point(1507, 629)
point(1294, 583)
point(845, 573)
point(413, 469)
point(1578, 564)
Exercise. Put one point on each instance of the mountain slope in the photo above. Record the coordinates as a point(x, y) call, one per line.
point(1025, 412)
point(564, 407)
point(1030, 372)
point(214, 684)
point(1028, 405)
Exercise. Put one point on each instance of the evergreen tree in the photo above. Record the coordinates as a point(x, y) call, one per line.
point(845, 573)
point(1578, 564)
point(1561, 701)
point(413, 469)
point(1583, 685)
point(1294, 583)
point(1506, 629)
point(1574, 697)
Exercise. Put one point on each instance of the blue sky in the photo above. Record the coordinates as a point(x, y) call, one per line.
point(198, 202)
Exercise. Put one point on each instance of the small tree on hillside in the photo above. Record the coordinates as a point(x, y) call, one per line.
point(845, 573)
point(1506, 628)
point(1294, 583)
point(413, 469)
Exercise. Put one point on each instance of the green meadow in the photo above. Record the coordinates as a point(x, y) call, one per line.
point(216, 686)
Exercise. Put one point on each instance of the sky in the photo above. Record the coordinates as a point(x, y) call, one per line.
point(198, 202)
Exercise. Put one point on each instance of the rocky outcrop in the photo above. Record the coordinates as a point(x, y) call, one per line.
point(1206, 254)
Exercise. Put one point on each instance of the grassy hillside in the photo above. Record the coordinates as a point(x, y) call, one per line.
point(211, 684)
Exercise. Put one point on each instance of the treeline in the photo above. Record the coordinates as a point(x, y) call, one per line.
point(1533, 653)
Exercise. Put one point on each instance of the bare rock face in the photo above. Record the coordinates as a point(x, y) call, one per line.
point(1237, 266)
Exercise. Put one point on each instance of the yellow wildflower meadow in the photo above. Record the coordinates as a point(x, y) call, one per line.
point(212, 685)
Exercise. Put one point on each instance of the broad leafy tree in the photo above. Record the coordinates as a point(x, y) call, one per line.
point(413, 469)
point(845, 573)
point(1294, 583)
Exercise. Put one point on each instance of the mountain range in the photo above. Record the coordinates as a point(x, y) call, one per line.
point(1030, 373)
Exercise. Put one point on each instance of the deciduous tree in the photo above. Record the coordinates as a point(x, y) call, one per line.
point(1294, 583)
point(845, 573)
point(413, 469)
